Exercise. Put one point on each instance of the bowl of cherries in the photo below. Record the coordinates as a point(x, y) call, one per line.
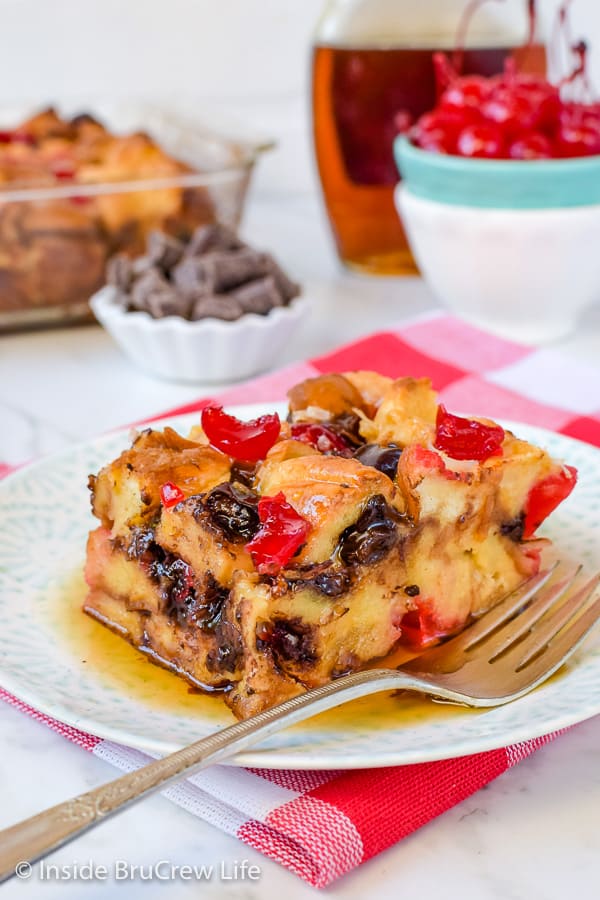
point(500, 197)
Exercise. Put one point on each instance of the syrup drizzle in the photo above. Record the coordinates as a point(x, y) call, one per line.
point(115, 663)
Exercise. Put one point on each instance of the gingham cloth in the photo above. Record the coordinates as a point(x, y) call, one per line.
point(319, 824)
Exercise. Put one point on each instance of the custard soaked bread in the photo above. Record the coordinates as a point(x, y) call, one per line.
point(263, 558)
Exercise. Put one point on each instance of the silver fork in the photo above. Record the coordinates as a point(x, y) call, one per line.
point(500, 657)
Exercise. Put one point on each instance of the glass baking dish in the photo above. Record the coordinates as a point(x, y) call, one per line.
point(55, 240)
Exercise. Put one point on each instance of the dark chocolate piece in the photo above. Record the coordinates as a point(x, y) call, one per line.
point(373, 535)
point(213, 237)
point(168, 303)
point(347, 425)
point(163, 250)
point(214, 275)
point(288, 639)
point(233, 508)
point(227, 270)
point(513, 529)
point(383, 458)
point(193, 278)
point(287, 288)
point(119, 272)
point(151, 282)
point(141, 264)
point(259, 296)
point(217, 307)
point(229, 650)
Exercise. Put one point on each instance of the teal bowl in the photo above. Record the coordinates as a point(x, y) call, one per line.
point(498, 183)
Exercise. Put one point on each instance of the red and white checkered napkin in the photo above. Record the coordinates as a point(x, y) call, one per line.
point(323, 824)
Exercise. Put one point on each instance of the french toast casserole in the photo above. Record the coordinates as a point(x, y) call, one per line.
point(53, 250)
point(263, 558)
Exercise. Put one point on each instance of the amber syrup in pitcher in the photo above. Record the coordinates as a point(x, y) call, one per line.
point(357, 95)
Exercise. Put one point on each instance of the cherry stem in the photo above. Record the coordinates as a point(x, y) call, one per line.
point(531, 29)
point(561, 31)
point(532, 19)
point(458, 57)
point(444, 71)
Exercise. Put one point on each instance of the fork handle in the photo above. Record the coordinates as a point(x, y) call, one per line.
point(36, 837)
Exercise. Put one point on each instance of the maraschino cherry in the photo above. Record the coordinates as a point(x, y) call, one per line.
point(514, 115)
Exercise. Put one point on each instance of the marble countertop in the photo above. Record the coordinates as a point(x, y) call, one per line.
point(533, 833)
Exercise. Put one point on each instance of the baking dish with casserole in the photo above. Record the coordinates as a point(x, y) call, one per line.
point(76, 188)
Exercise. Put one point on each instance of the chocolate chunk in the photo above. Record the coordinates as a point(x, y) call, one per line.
point(229, 650)
point(288, 639)
point(227, 270)
point(513, 529)
point(347, 425)
point(332, 584)
point(168, 303)
point(151, 282)
point(141, 265)
point(119, 272)
point(193, 278)
point(175, 580)
point(259, 296)
point(243, 472)
point(383, 458)
point(217, 307)
point(152, 293)
point(209, 606)
point(373, 535)
point(141, 545)
point(214, 275)
point(163, 250)
point(322, 577)
point(233, 508)
point(286, 287)
point(213, 237)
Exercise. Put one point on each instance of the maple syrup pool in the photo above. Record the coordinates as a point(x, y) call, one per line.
point(119, 665)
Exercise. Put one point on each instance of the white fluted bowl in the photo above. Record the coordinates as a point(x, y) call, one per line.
point(209, 350)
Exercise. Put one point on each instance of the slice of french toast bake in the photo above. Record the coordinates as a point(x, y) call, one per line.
point(265, 557)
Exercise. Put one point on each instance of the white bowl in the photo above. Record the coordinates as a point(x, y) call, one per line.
point(526, 274)
point(209, 350)
point(511, 245)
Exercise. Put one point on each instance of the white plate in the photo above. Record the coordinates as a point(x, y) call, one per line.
point(45, 517)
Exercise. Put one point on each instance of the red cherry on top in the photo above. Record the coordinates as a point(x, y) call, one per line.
point(545, 496)
point(282, 533)
point(510, 116)
point(462, 438)
point(246, 441)
point(438, 130)
point(534, 145)
point(511, 110)
point(320, 437)
point(170, 494)
point(483, 141)
point(579, 131)
point(466, 93)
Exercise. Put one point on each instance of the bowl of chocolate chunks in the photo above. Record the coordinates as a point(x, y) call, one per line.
point(210, 309)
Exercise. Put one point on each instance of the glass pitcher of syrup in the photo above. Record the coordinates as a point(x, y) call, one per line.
point(373, 60)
